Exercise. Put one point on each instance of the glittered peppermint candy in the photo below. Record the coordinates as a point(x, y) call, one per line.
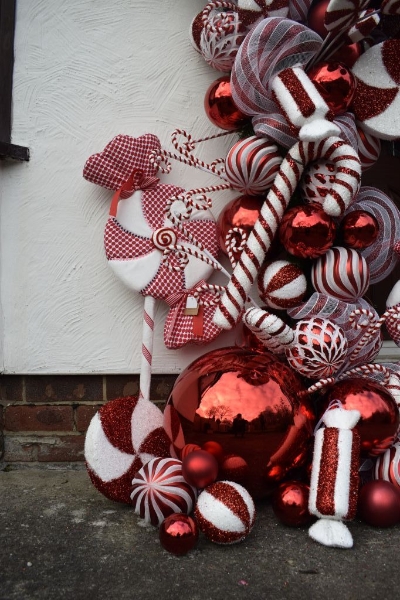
point(159, 490)
point(225, 512)
point(319, 348)
point(369, 149)
point(342, 273)
point(340, 15)
point(390, 7)
point(317, 181)
point(281, 284)
point(220, 41)
point(387, 466)
point(123, 435)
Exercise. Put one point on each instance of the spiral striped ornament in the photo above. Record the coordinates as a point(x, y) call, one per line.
point(369, 149)
point(342, 273)
point(251, 165)
point(387, 466)
point(159, 490)
point(339, 197)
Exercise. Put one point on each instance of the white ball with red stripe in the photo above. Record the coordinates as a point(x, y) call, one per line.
point(387, 466)
point(159, 490)
point(123, 435)
point(251, 165)
point(342, 273)
point(317, 181)
point(282, 284)
point(220, 42)
point(369, 149)
point(225, 512)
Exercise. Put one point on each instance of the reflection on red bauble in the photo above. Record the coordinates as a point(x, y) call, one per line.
point(379, 413)
point(347, 54)
point(214, 448)
point(178, 533)
point(200, 468)
point(290, 503)
point(241, 212)
point(359, 229)
point(379, 504)
point(336, 84)
point(220, 107)
point(316, 17)
point(261, 416)
point(307, 231)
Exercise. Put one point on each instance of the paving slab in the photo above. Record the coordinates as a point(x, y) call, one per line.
point(60, 538)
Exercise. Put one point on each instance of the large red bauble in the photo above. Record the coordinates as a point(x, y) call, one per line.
point(220, 107)
point(379, 413)
point(200, 468)
point(316, 17)
point(290, 503)
point(307, 231)
point(241, 212)
point(379, 504)
point(359, 229)
point(178, 533)
point(336, 84)
point(265, 391)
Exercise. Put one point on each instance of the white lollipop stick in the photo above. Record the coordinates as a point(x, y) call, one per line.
point(147, 347)
point(339, 197)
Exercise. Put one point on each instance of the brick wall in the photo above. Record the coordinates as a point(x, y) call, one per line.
point(44, 418)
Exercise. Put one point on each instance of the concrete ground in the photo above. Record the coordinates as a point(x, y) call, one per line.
point(60, 538)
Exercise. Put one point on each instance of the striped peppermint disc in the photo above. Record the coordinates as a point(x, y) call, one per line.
point(251, 165)
point(282, 284)
point(225, 512)
point(159, 490)
point(342, 273)
point(369, 149)
point(387, 466)
point(341, 14)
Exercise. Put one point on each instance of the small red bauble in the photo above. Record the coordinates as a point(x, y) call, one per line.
point(379, 504)
point(335, 83)
point(215, 449)
point(316, 17)
point(220, 107)
point(290, 503)
point(235, 468)
point(178, 534)
point(359, 229)
point(200, 468)
point(241, 213)
point(307, 231)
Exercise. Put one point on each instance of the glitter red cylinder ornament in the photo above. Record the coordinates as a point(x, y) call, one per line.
point(335, 83)
point(178, 534)
point(379, 504)
point(220, 107)
point(359, 229)
point(200, 468)
point(290, 503)
point(240, 213)
point(307, 231)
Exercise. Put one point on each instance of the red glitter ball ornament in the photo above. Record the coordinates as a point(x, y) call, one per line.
point(240, 213)
point(307, 231)
point(290, 503)
point(200, 468)
point(316, 17)
point(178, 534)
point(359, 229)
point(335, 83)
point(379, 504)
point(220, 107)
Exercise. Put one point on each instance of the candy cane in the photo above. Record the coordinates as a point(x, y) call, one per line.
point(342, 192)
point(147, 347)
point(272, 332)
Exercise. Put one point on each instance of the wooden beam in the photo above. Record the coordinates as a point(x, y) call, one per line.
point(13, 151)
point(7, 29)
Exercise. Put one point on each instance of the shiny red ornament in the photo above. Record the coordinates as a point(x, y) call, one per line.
point(347, 54)
point(336, 84)
point(290, 503)
point(307, 231)
point(200, 468)
point(178, 534)
point(379, 413)
point(213, 447)
point(257, 391)
point(235, 468)
point(379, 504)
point(240, 213)
point(359, 229)
point(316, 17)
point(220, 107)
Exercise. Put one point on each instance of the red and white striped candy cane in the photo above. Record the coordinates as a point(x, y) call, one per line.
point(147, 347)
point(344, 188)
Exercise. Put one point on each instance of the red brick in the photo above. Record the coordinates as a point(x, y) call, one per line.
point(63, 448)
point(38, 418)
point(84, 414)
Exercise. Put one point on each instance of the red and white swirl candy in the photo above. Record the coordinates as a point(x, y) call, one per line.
point(387, 466)
point(369, 149)
point(159, 490)
point(342, 273)
point(341, 14)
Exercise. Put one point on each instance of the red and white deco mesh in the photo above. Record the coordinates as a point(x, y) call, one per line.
point(159, 489)
point(387, 466)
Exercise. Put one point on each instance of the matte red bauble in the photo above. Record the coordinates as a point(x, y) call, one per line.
point(214, 448)
point(359, 229)
point(379, 413)
point(379, 504)
point(220, 107)
point(307, 231)
point(261, 416)
point(242, 212)
point(316, 17)
point(290, 503)
point(178, 533)
point(336, 84)
point(234, 468)
point(200, 468)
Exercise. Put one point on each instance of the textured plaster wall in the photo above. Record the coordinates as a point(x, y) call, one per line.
point(86, 70)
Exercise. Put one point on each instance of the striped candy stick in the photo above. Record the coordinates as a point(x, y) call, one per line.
point(147, 347)
point(344, 188)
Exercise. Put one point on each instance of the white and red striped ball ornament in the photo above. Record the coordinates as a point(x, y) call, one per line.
point(220, 42)
point(225, 512)
point(369, 149)
point(123, 435)
point(317, 181)
point(319, 348)
point(159, 490)
point(387, 466)
point(251, 165)
point(281, 284)
point(342, 273)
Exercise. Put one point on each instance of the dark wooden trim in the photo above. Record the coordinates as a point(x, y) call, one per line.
point(8, 150)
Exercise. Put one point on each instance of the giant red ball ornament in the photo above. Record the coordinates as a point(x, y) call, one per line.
point(290, 503)
point(220, 107)
point(336, 84)
point(307, 231)
point(230, 381)
point(379, 504)
point(178, 534)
